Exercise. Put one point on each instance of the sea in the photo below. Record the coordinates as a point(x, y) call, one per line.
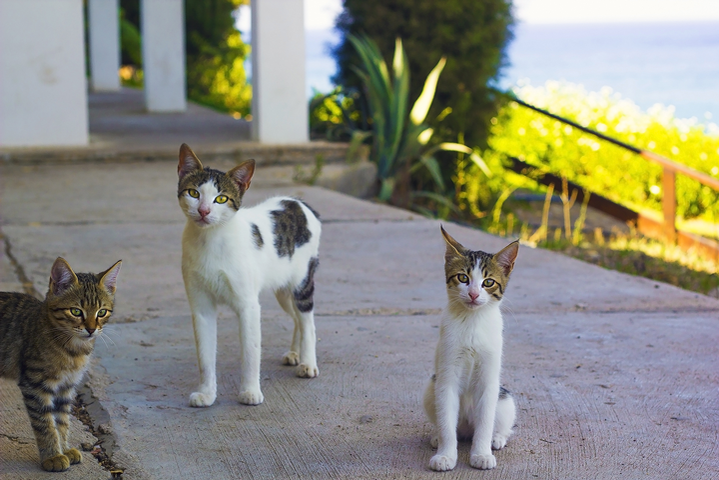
point(673, 64)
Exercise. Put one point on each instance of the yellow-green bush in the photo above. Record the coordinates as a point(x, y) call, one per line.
point(596, 164)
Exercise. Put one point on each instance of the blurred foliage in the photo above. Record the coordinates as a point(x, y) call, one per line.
point(215, 52)
point(335, 115)
point(130, 42)
point(647, 258)
point(401, 140)
point(598, 166)
point(215, 56)
point(471, 34)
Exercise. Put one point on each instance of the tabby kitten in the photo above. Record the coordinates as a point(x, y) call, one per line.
point(464, 398)
point(230, 254)
point(46, 347)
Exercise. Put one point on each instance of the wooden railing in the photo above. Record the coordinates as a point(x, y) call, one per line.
point(670, 170)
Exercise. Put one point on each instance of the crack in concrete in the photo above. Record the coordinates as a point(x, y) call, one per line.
point(92, 414)
point(90, 223)
point(15, 439)
point(25, 281)
point(371, 220)
point(381, 312)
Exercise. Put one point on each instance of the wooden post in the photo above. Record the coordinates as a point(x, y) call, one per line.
point(669, 204)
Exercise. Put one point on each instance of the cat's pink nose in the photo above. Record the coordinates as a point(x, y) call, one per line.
point(203, 211)
point(90, 330)
point(473, 296)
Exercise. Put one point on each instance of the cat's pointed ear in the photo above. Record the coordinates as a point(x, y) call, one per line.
point(506, 257)
point(242, 174)
point(453, 246)
point(188, 161)
point(108, 278)
point(61, 276)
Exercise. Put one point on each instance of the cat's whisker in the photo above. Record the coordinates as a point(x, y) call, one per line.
point(102, 337)
point(106, 336)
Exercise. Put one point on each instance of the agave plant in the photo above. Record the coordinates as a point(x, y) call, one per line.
point(401, 139)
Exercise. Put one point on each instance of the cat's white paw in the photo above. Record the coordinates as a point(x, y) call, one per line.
point(442, 463)
point(199, 399)
point(291, 358)
point(251, 397)
point(499, 441)
point(483, 462)
point(307, 371)
point(434, 441)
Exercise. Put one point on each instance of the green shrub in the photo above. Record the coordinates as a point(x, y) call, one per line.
point(215, 52)
point(335, 115)
point(401, 141)
point(597, 165)
point(471, 34)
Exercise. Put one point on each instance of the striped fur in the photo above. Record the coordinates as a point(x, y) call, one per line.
point(304, 293)
point(45, 346)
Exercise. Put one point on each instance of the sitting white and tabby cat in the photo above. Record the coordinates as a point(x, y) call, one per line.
point(464, 398)
point(230, 254)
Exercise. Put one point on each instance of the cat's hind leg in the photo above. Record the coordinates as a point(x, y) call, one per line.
point(286, 300)
point(204, 323)
point(303, 296)
point(504, 419)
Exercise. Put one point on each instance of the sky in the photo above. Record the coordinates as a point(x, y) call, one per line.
point(613, 11)
point(320, 14)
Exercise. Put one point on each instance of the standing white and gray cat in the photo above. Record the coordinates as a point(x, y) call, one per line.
point(230, 254)
point(464, 399)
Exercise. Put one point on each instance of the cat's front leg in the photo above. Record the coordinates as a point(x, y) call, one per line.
point(485, 397)
point(446, 392)
point(250, 351)
point(39, 406)
point(204, 323)
point(63, 404)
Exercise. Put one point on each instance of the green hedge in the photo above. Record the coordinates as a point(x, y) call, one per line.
point(602, 167)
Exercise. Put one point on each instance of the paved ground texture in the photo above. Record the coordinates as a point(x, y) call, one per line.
point(615, 376)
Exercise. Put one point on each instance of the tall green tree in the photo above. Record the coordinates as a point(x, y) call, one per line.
point(215, 52)
point(471, 34)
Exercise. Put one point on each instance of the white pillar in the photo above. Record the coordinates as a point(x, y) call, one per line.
point(104, 39)
point(43, 92)
point(163, 54)
point(279, 102)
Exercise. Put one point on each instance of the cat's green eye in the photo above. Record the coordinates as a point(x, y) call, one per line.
point(488, 282)
point(221, 199)
point(101, 313)
point(193, 193)
point(463, 278)
point(76, 312)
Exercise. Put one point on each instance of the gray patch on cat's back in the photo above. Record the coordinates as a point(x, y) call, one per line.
point(304, 293)
point(257, 236)
point(289, 228)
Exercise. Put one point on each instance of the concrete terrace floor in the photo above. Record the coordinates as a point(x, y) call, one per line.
point(122, 131)
point(615, 376)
